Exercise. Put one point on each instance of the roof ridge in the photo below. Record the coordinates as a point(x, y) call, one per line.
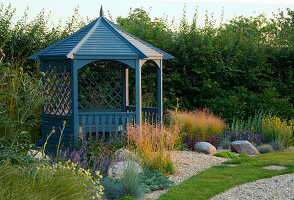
point(165, 54)
point(35, 56)
point(84, 39)
point(137, 50)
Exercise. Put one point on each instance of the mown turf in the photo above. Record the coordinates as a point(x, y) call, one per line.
point(218, 179)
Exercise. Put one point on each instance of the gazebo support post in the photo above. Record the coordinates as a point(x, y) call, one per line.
point(125, 87)
point(159, 92)
point(138, 94)
point(75, 100)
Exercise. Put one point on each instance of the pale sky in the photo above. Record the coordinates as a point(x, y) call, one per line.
point(63, 9)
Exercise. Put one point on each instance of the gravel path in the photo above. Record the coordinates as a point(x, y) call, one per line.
point(187, 164)
point(275, 188)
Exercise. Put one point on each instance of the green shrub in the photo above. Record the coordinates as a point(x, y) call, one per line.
point(155, 180)
point(265, 148)
point(127, 198)
point(226, 154)
point(225, 144)
point(244, 155)
point(21, 98)
point(42, 183)
point(252, 124)
point(277, 145)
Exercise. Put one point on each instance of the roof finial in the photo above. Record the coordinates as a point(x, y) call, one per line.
point(101, 12)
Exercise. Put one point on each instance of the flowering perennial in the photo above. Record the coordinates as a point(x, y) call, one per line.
point(81, 174)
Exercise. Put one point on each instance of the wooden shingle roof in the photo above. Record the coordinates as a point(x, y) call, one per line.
point(101, 38)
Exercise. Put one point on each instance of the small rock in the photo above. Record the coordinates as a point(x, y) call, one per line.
point(205, 147)
point(243, 146)
point(231, 165)
point(117, 169)
point(275, 167)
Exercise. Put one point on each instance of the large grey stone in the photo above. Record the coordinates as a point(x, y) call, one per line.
point(124, 155)
point(117, 169)
point(243, 146)
point(205, 147)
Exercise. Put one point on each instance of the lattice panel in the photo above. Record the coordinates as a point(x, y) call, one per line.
point(100, 85)
point(57, 84)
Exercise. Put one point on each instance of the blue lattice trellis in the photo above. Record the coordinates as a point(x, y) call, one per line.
point(57, 85)
point(100, 86)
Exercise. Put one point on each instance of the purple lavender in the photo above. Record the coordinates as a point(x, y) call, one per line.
point(94, 154)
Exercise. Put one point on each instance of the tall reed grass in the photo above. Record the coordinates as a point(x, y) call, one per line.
point(200, 123)
point(154, 144)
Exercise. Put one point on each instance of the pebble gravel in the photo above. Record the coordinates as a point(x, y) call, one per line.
point(187, 164)
point(274, 188)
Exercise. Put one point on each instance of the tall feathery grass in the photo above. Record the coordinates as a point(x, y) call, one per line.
point(200, 122)
point(154, 144)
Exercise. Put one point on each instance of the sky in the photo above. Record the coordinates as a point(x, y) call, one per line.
point(63, 9)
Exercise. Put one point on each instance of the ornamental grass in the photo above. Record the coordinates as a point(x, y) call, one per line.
point(56, 181)
point(154, 144)
point(200, 122)
point(276, 129)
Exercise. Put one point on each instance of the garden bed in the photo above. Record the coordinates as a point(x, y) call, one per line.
point(187, 164)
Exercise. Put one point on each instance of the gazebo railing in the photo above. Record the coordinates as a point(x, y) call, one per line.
point(149, 114)
point(104, 124)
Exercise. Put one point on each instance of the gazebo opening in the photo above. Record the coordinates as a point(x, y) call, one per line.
point(102, 99)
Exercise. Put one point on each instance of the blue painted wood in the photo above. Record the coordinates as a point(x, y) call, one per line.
point(103, 126)
point(84, 126)
point(99, 38)
point(123, 121)
point(138, 94)
point(77, 46)
point(125, 89)
point(165, 55)
point(75, 101)
point(116, 121)
point(96, 125)
point(65, 44)
point(112, 122)
point(90, 125)
point(109, 124)
point(148, 113)
point(159, 92)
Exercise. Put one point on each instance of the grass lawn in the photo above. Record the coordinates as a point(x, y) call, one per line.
point(218, 179)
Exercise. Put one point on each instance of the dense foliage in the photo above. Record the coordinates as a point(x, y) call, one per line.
point(234, 68)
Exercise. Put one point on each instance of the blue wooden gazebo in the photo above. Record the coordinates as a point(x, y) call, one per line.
point(86, 78)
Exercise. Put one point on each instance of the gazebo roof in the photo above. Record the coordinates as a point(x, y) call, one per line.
point(101, 38)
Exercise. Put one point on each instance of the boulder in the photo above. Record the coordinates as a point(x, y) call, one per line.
point(117, 169)
point(205, 147)
point(243, 146)
point(124, 155)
